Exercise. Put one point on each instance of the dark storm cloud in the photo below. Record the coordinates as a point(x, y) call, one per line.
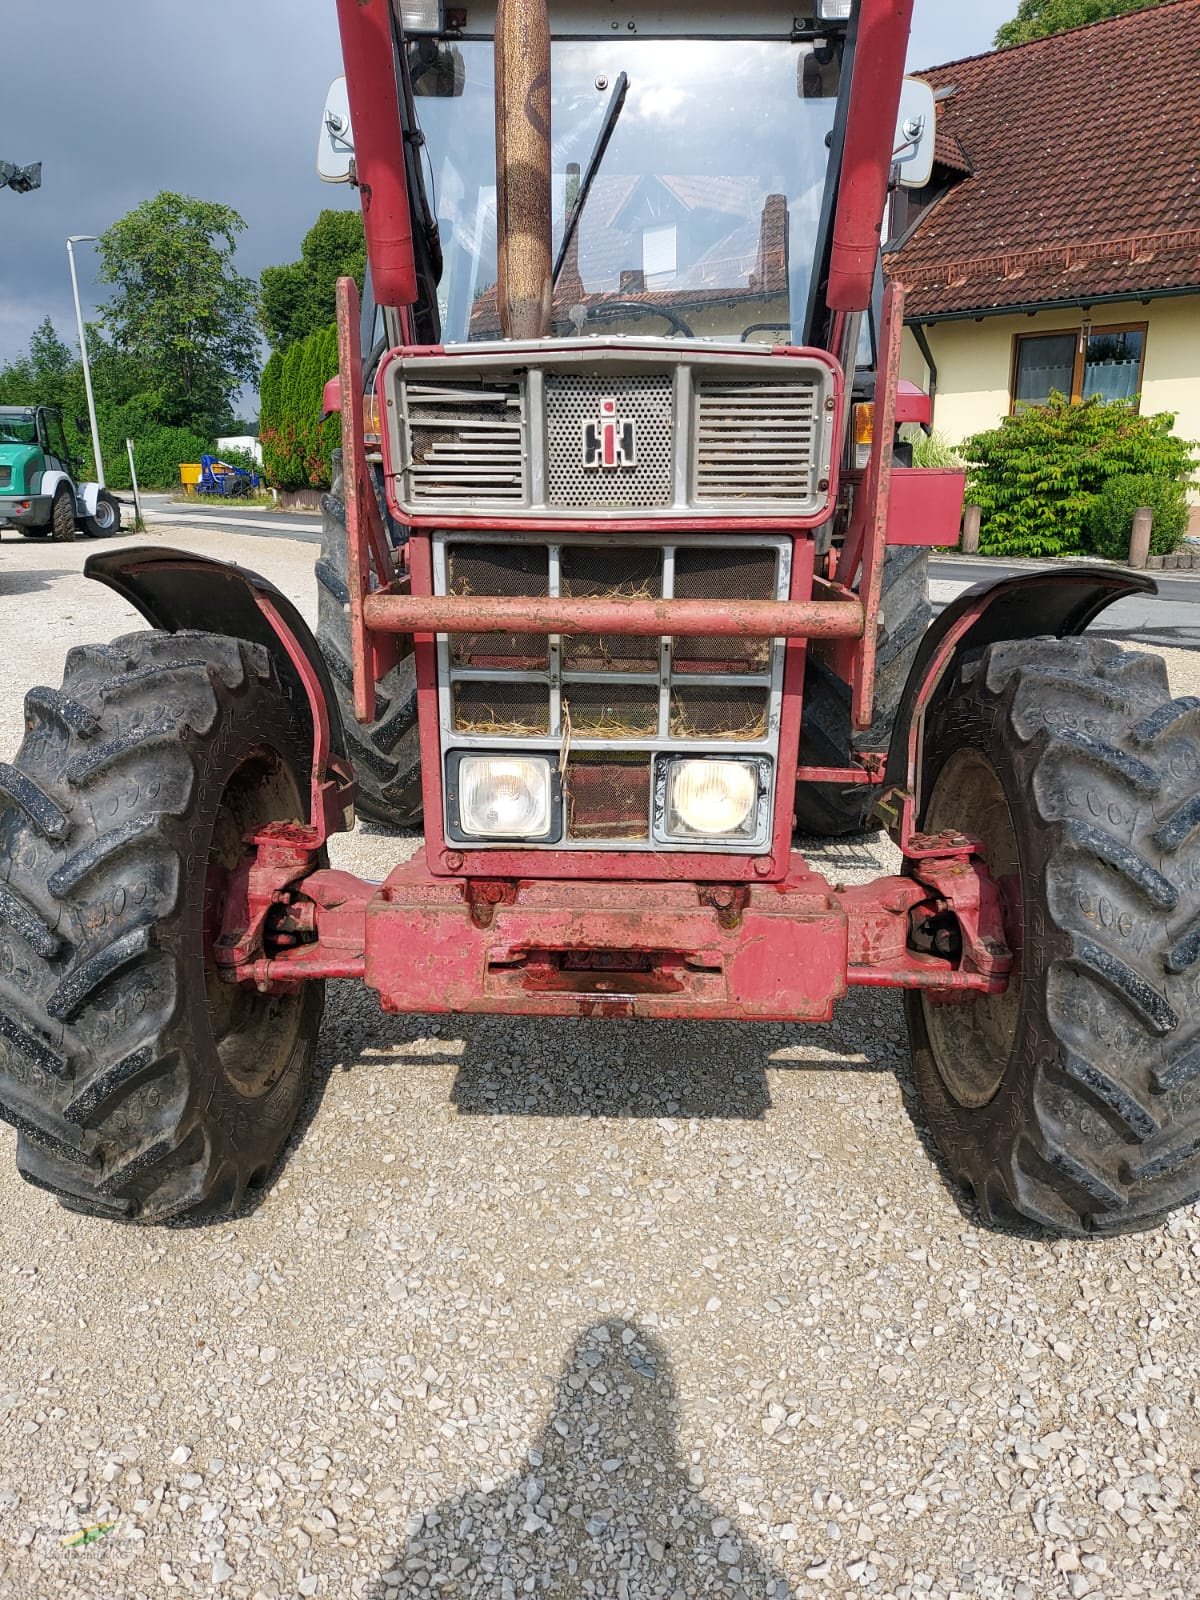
point(121, 98)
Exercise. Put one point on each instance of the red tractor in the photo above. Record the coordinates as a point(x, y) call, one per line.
point(623, 587)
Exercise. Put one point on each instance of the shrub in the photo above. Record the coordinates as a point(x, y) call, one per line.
point(158, 453)
point(1110, 520)
point(245, 459)
point(268, 415)
point(935, 450)
point(1038, 474)
point(296, 448)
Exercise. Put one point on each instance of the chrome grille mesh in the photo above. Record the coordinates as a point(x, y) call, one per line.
point(571, 403)
point(756, 440)
point(464, 442)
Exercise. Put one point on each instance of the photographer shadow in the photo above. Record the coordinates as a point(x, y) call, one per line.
point(603, 1507)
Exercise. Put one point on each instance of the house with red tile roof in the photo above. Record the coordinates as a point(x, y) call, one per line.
point(1057, 246)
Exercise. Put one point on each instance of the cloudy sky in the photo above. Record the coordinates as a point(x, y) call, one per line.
point(122, 98)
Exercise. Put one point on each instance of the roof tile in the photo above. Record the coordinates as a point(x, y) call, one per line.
point(1085, 154)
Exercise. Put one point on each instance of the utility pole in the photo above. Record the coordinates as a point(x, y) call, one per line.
point(86, 238)
point(20, 179)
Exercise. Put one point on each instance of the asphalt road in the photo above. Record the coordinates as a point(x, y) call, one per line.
point(1168, 621)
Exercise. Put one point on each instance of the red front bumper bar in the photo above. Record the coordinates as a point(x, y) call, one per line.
point(766, 952)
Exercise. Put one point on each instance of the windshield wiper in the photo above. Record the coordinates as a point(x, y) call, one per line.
point(615, 106)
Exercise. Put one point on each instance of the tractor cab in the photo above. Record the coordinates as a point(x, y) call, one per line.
point(687, 173)
point(35, 432)
point(685, 187)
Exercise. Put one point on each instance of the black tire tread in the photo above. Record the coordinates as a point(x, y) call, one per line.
point(1101, 1133)
point(95, 1023)
point(826, 739)
point(386, 753)
point(62, 515)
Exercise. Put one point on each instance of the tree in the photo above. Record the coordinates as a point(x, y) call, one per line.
point(299, 299)
point(183, 317)
point(1036, 19)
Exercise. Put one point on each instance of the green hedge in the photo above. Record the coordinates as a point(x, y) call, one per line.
point(1038, 475)
point(296, 445)
point(158, 454)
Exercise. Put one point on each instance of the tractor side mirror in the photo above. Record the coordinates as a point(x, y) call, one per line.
point(916, 134)
point(819, 73)
point(438, 71)
point(335, 146)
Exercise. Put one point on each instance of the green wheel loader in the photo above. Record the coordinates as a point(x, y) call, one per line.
point(41, 494)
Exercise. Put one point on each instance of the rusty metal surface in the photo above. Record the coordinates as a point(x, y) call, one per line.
point(975, 901)
point(883, 30)
point(332, 785)
point(563, 949)
point(751, 619)
point(523, 168)
point(370, 62)
point(770, 952)
point(850, 776)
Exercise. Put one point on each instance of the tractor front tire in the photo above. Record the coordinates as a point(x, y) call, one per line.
point(827, 739)
point(386, 753)
point(142, 1087)
point(1073, 1100)
point(62, 515)
point(107, 519)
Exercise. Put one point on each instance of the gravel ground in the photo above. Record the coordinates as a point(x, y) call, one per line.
point(583, 1310)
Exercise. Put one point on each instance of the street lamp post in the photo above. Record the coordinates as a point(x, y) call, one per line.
point(86, 238)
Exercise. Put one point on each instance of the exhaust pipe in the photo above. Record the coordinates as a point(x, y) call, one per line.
point(523, 171)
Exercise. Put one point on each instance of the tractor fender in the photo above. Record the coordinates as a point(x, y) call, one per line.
point(177, 589)
point(1057, 604)
point(87, 494)
point(50, 480)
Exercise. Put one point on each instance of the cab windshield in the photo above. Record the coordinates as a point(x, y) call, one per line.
point(18, 427)
point(703, 215)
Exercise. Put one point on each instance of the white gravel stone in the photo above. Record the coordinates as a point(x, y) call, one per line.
point(668, 1310)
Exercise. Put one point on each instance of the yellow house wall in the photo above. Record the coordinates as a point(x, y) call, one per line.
point(975, 362)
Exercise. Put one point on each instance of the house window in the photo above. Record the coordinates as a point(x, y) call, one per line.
point(1090, 363)
point(659, 254)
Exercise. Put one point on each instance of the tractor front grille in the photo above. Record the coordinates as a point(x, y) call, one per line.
point(755, 440)
point(466, 442)
point(604, 708)
point(574, 402)
point(530, 430)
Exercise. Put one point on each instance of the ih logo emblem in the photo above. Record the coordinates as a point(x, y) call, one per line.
point(609, 441)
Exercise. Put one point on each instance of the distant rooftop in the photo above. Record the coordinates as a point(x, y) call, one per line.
point(1074, 165)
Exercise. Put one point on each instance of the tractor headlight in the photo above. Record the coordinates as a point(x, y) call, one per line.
point(711, 799)
point(834, 10)
point(506, 797)
point(420, 16)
